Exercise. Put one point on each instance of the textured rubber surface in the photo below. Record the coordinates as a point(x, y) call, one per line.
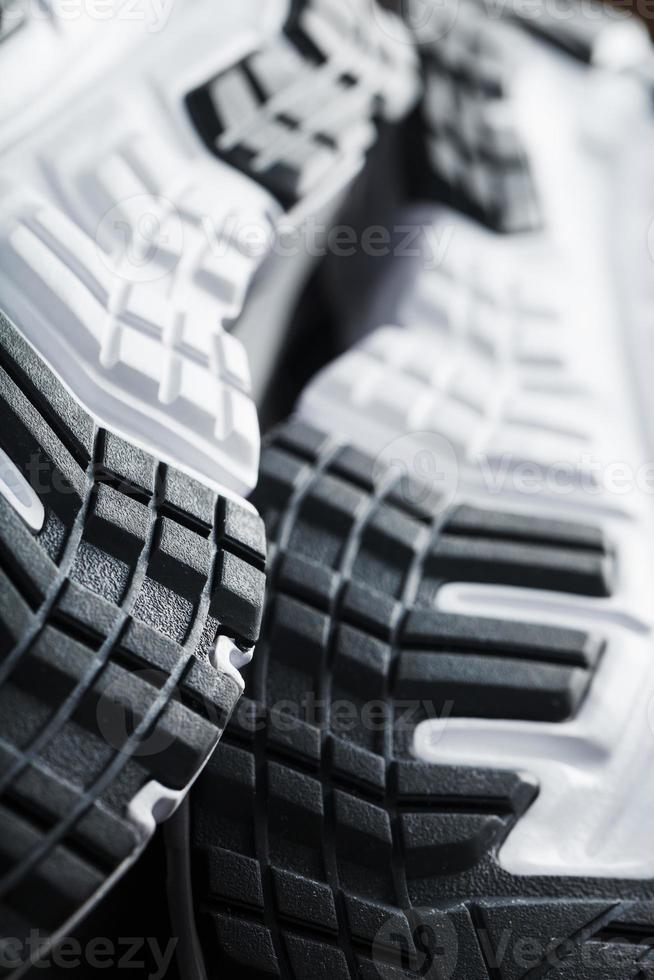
point(337, 853)
point(122, 622)
point(168, 376)
point(300, 112)
point(497, 384)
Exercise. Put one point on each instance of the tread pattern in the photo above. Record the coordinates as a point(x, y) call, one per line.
point(109, 619)
point(303, 108)
point(473, 142)
point(491, 382)
point(489, 361)
point(360, 542)
point(335, 853)
point(175, 221)
point(164, 374)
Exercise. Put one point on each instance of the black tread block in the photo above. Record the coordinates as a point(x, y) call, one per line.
point(312, 136)
point(304, 901)
point(338, 543)
point(474, 154)
point(531, 641)
point(234, 877)
point(526, 565)
point(478, 687)
point(108, 615)
point(356, 860)
point(444, 843)
point(526, 528)
point(251, 942)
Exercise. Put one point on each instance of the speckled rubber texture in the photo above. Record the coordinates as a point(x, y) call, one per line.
point(335, 853)
point(123, 618)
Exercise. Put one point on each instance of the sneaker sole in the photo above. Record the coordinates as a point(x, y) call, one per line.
point(406, 784)
point(130, 594)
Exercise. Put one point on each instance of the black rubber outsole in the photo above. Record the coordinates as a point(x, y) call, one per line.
point(109, 618)
point(480, 167)
point(313, 138)
point(320, 847)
